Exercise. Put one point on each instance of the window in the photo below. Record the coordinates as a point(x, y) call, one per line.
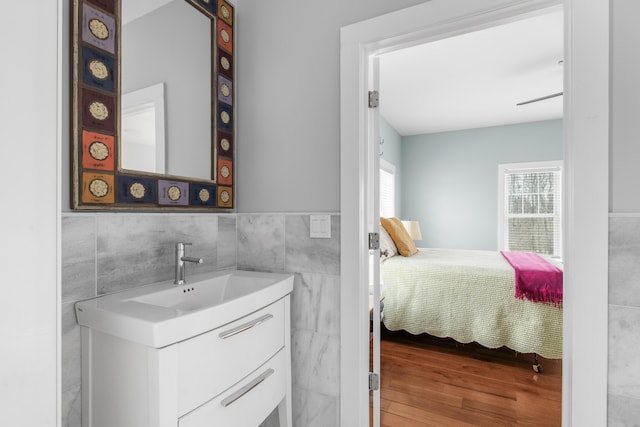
point(387, 189)
point(530, 203)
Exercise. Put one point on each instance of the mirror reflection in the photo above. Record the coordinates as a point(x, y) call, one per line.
point(166, 89)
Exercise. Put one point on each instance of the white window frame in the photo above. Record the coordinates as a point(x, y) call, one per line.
point(503, 169)
point(389, 168)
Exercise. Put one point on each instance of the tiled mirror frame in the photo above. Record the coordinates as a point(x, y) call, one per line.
point(97, 181)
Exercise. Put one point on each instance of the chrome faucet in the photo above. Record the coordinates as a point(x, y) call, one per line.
point(180, 263)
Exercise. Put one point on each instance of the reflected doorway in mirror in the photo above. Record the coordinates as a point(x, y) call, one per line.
point(143, 145)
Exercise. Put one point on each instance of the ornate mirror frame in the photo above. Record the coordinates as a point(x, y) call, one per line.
point(98, 182)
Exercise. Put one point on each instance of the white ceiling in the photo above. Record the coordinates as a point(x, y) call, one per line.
point(476, 79)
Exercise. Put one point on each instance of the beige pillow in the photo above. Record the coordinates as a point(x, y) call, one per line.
point(400, 236)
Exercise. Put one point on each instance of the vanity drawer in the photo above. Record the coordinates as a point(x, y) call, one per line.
point(248, 402)
point(212, 362)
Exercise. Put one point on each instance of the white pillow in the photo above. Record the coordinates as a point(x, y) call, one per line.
point(387, 247)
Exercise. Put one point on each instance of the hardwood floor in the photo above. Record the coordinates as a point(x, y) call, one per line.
point(427, 381)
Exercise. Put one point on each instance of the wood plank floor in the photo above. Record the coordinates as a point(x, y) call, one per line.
point(427, 381)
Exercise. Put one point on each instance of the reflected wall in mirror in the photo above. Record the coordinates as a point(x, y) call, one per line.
point(184, 70)
point(153, 110)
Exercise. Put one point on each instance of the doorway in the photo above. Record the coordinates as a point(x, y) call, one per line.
point(586, 237)
point(452, 119)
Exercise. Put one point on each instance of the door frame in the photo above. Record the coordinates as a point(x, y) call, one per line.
point(586, 154)
point(31, 368)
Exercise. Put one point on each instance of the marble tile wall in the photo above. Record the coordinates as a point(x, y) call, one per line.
point(100, 252)
point(624, 320)
point(103, 253)
point(281, 243)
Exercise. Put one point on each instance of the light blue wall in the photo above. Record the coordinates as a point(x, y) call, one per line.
point(391, 151)
point(450, 179)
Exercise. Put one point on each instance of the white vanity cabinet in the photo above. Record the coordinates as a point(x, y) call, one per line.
point(233, 375)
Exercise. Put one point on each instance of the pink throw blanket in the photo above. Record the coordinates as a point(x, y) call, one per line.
point(536, 279)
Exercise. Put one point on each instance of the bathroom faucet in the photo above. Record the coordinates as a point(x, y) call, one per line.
point(180, 263)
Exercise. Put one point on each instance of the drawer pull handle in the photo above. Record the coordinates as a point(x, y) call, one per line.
point(247, 388)
point(245, 327)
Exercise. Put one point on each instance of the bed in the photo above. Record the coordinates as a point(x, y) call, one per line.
point(467, 295)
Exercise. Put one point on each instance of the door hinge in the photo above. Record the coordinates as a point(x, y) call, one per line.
point(374, 381)
point(374, 100)
point(374, 241)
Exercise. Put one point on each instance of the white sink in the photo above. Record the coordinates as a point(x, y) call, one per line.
point(162, 314)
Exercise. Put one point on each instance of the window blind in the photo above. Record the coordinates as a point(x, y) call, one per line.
point(531, 217)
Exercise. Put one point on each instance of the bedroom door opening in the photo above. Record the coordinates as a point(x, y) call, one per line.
point(586, 130)
point(524, 43)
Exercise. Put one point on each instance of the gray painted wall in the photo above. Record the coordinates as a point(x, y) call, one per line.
point(391, 151)
point(289, 101)
point(625, 106)
point(450, 179)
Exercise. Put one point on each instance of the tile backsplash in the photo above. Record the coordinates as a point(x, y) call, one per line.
point(283, 242)
point(624, 320)
point(103, 253)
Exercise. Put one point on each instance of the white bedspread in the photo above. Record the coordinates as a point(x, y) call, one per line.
point(467, 295)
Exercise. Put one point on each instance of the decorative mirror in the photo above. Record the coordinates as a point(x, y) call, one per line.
point(153, 105)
